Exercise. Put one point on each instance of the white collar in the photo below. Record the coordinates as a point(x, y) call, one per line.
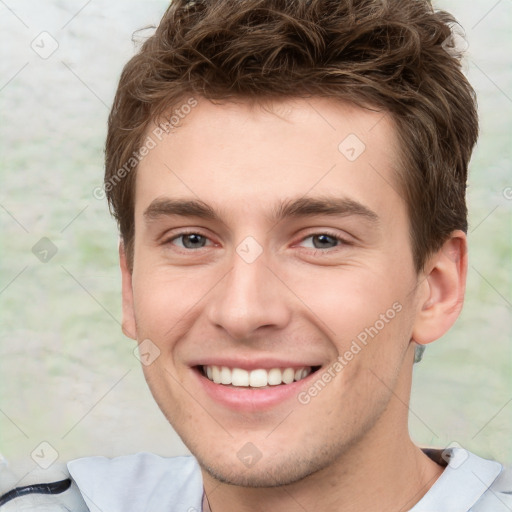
point(462, 483)
point(141, 482)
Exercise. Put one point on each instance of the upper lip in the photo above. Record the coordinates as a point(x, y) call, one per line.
point(254, 363)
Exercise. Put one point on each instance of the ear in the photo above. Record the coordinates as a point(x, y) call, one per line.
point(443, 289)
point(128, 324)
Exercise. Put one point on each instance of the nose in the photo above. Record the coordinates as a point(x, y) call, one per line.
point(250, 299)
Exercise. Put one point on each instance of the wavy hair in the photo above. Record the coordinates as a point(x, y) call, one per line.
point(396, 56)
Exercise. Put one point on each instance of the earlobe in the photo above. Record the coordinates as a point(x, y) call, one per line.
point(128, 322)
point(444, 288)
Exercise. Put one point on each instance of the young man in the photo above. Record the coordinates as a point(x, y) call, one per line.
point(289, 182)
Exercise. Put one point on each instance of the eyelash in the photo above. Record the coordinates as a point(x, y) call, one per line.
point(183, 234)
point(341, 241)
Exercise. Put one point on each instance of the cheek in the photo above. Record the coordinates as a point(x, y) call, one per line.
point(169, 304)
point(366, 316)
point(350, 301)
point(164, 299)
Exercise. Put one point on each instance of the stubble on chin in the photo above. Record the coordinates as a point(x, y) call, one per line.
point(280, 470)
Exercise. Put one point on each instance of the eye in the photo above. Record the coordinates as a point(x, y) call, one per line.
point(189, 241)
point(322, 241)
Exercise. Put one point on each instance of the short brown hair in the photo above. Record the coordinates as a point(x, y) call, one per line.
point(395, 56)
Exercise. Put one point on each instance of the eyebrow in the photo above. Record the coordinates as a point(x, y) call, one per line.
point(301, 207)
point(311, 206)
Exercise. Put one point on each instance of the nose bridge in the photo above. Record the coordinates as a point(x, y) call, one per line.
point(249, 296)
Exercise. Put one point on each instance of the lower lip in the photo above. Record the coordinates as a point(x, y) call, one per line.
point(252, 399)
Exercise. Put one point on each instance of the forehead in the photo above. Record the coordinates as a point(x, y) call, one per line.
point(247, 157)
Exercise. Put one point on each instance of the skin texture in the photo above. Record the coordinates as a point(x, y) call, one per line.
point(348, 447)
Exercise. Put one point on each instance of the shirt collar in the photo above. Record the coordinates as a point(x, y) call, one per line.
point(462, 483)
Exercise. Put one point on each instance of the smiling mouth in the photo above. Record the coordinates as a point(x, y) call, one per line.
point(258, 378)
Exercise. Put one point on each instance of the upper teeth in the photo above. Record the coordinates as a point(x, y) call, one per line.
point(255, 378)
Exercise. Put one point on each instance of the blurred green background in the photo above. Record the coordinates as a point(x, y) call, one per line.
point(68, 375)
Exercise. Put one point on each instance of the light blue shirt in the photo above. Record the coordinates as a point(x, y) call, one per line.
point(149, 483)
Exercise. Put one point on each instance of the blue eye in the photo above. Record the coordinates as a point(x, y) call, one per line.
point(323, 241)
point(197, 241)
point(190, 240)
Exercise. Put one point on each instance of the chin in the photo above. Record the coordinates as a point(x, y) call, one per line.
point(285, 469)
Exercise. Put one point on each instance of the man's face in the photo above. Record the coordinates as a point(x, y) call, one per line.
point(274, 247)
